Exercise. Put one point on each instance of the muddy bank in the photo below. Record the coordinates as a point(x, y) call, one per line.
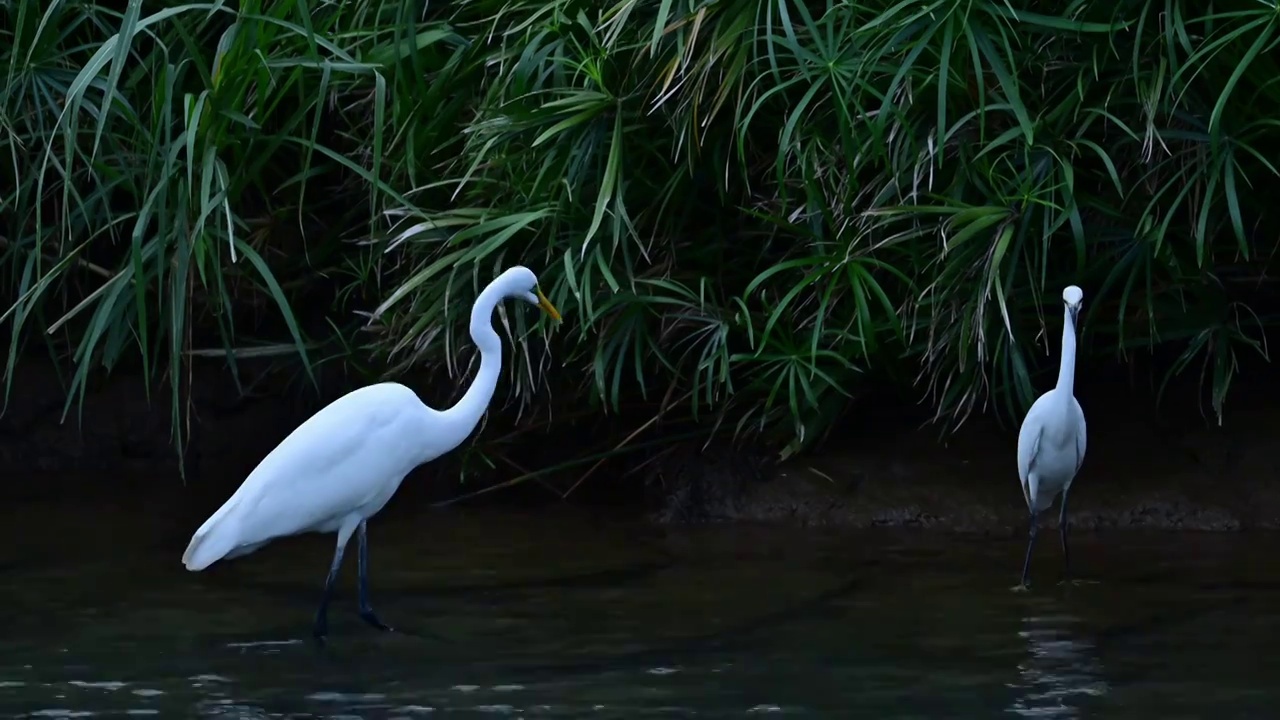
point(1146, 467)
point(1164, 468)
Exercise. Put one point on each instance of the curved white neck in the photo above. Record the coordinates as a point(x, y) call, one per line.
point(466, 414)
point(1067, 365)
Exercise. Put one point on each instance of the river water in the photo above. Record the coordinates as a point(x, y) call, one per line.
point(565, 615)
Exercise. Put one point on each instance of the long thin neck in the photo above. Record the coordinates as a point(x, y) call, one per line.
point(466, 414)
point(1067, 366)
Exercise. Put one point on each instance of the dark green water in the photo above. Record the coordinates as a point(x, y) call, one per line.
point(568, 617)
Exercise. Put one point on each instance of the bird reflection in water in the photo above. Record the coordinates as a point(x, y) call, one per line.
point(1060, 672)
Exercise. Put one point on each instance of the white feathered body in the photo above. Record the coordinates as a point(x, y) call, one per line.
point(1051, 447)
point(339, 467)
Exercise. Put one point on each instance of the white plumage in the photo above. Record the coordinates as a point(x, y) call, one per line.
point(1052, 440)
point(344, 463)
point(340, 466)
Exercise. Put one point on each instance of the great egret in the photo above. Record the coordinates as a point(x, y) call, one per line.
point(1051, 442)
point(344, 463)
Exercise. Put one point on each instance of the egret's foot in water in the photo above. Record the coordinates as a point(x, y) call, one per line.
point(1020, 588)
point(373, 621)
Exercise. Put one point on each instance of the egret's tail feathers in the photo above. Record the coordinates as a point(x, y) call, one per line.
point(217, 537)
point(215, 540)
point(208, 549)
point(205, 549)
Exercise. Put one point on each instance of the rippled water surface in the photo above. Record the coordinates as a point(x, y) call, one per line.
point(559, 616)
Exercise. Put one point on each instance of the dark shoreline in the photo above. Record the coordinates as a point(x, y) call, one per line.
point(1146, 468)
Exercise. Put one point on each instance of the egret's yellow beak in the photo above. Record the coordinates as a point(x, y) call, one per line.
point(546, 305)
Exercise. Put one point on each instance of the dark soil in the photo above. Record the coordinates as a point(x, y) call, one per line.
point(1146, 467)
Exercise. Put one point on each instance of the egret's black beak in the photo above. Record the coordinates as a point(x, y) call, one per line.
point(1075, 313)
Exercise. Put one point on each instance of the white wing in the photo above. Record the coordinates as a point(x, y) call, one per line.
point(1081, 440)
point(352, 453)
point(1029, 441)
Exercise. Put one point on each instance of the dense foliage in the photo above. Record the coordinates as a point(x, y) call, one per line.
point(746, 210)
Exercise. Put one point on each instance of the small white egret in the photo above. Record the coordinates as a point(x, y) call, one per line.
point(1051, 442)
point(344, 463)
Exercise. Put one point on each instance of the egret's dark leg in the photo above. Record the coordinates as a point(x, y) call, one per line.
point(321, 627)
point(366, 610)
point(1026, 563)
point(1062, 533)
